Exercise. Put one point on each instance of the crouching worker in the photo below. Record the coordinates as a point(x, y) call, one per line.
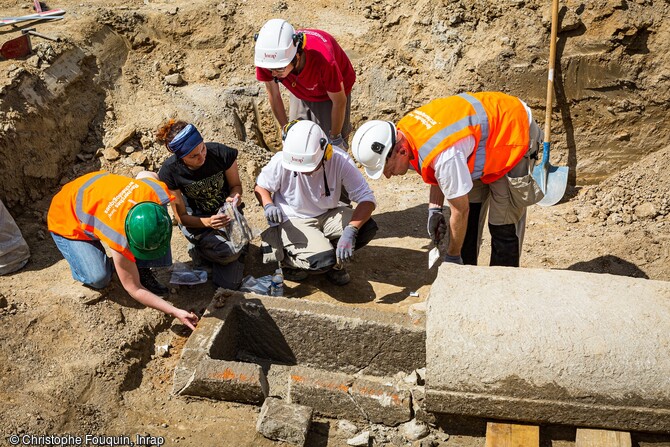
point(299, 190)
point(477, 151)
point(128, 215)
point(203, 177)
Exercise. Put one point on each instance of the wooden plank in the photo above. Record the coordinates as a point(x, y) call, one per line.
point(587, 437)
point(512, 435)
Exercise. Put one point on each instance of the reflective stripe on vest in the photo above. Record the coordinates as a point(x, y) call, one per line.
point(91, 221)
point(160, 192)
point(479, 118)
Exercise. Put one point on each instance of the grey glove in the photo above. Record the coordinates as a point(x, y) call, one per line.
point(338, 141)
point(272, 214)
point(345, 246)
point(437, 225)
point(453, 259)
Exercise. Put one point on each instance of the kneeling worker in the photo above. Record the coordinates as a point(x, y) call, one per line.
point(300, 189)
point(128, 215)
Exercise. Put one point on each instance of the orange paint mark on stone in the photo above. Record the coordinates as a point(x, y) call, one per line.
point(229, 374)
point(328, 385)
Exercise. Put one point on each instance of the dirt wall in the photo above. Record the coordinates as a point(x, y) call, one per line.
point(118, 67)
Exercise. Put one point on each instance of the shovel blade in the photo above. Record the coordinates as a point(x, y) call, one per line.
point(553, 181)
point(16, 48)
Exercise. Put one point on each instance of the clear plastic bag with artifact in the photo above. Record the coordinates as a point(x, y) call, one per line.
point(238, 231)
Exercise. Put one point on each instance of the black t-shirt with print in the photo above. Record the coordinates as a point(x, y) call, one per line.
point(204, 189)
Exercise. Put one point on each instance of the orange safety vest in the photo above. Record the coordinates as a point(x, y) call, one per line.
point(94, 207)
point(498, 122)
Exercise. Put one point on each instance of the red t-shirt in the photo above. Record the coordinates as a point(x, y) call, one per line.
point(326, 66)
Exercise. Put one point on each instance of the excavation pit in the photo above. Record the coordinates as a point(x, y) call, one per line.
point(343, 362)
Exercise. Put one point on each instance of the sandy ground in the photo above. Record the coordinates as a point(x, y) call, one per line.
point(79, 362)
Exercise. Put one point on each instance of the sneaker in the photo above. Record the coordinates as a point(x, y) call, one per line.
point(339, 277)
point(295, 275)
point(149, 281)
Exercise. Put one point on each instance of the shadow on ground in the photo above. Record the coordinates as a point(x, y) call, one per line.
point(609, 264)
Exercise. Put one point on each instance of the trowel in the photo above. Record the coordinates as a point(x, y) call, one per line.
point(433, 256)
point(552, 180)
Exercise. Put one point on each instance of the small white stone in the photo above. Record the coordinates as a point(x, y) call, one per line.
point(413, 430)
point(346, 427)
point(361, 439)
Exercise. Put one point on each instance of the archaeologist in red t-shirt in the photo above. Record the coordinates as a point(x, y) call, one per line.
point(474, 149)
point(128, 215)
point(315, 70)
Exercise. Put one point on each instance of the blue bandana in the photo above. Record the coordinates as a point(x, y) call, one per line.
point(185, 141)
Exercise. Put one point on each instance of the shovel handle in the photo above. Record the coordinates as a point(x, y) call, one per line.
point(550, 77)
point(43, 36)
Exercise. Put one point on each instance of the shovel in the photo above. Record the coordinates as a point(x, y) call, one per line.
point(552, 180)
point(16, 48)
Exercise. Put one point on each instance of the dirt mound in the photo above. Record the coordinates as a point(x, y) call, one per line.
point(638, 192)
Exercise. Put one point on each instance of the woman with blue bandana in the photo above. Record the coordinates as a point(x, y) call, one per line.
point(203, 177)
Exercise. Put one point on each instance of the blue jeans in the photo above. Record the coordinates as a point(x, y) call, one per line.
point(90, 264)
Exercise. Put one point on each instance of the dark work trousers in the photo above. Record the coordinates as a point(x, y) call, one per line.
point(506, 219)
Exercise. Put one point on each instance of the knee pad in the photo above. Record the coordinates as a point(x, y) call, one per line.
point(321, 262)
point(366, 233)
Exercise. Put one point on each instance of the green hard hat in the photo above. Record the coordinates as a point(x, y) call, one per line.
point(148, 229)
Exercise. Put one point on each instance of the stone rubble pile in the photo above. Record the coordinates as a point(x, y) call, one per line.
point(637, 193)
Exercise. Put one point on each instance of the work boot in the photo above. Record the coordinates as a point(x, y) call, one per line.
point(149, 282)
point(295, 275)
point(338, 276)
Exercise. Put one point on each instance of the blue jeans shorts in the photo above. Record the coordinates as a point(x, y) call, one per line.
point(90, 264)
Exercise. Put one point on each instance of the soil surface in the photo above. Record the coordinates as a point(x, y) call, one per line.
point(82, 362)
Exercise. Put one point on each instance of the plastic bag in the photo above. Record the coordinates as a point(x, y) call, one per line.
point(260, 285)
point(182, 274)
point(237, 231)
point(14, 252)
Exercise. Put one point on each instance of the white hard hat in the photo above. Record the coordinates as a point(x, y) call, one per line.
point(371, 145)
point(275, 46)
point(304, 146)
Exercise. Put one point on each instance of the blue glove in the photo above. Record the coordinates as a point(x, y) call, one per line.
point(272, 214)
point(453, 259)
point(345, 246)
point(338, 141)
point(437, 225)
